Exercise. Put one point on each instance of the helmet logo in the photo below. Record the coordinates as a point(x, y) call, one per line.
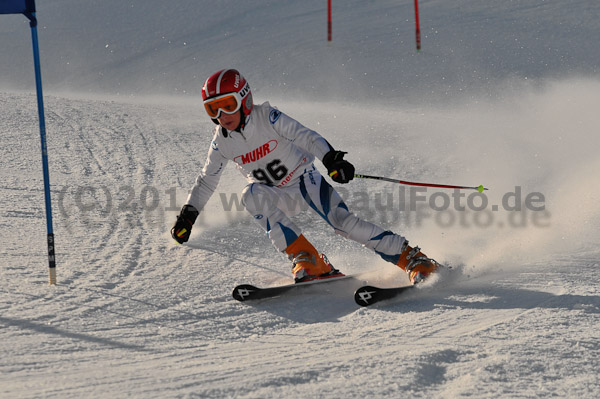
point(236, 84)
point(245, 90)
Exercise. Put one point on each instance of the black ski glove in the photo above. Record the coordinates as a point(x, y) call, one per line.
point(183, 226)
point(339, 170)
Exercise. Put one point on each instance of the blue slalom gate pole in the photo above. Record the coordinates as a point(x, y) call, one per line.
point(40, 101)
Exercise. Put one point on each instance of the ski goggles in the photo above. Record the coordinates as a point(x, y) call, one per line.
point(228, 103)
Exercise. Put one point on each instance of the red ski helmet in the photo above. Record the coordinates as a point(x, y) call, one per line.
point(226, 91)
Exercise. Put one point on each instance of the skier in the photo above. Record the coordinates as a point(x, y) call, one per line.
point(276, 153)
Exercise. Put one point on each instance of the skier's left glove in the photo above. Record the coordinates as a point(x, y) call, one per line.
point(339, 170)
point(183, 226)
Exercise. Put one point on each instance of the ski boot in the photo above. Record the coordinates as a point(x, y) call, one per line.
point(307, 264)
point(416, 264)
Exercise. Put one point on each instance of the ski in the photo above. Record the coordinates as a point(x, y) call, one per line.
point(368, 295)
point(247, 292)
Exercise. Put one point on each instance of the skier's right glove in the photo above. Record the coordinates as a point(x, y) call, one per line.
point(183, 226)
point(340, 170)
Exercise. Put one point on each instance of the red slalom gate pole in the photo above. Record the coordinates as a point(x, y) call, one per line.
point(329, 20)
point(418, 29)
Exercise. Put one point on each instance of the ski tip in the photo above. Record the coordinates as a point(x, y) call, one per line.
point(366, 295)
point(243, 291)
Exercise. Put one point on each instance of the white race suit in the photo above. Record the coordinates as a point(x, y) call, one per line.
point(276, 153)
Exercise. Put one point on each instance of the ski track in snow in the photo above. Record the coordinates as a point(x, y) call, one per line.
point(501, 95)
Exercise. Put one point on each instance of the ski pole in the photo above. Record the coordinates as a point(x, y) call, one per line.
point(479, 188)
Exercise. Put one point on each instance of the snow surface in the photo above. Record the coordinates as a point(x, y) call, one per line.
point(504, 94)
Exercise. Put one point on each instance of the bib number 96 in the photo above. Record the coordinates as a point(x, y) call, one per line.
point(275, 171)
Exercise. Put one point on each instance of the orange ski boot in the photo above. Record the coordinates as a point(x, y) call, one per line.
point(307, 263)
point(416, 264)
